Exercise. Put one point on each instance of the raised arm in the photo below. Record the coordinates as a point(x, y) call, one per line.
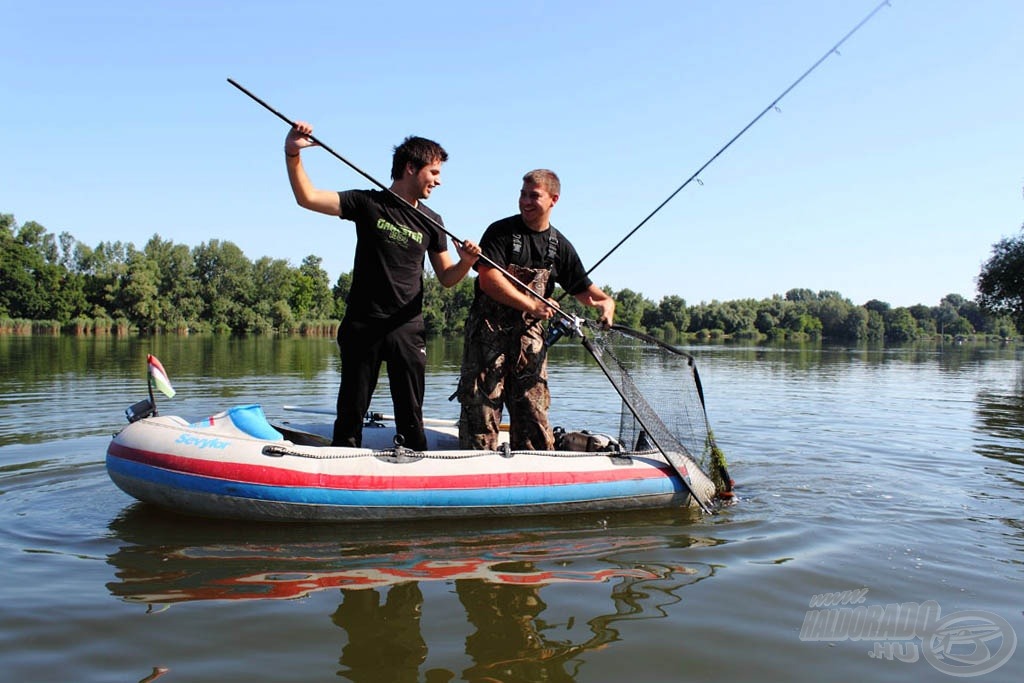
point(306, 195)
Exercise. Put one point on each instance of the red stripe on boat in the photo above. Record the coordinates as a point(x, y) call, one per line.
point(277, 476)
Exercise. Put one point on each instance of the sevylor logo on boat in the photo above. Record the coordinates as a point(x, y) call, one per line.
point(200, 442)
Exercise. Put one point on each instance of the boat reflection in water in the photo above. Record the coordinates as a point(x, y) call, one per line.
point(497, 568)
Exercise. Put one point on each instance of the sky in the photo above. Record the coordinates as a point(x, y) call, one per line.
point(888, 173)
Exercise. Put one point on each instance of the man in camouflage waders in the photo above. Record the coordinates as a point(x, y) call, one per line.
point(505, 360)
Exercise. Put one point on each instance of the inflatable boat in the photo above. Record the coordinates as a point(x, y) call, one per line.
point(237, 465)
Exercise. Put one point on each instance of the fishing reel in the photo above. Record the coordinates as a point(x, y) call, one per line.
point(561, 326)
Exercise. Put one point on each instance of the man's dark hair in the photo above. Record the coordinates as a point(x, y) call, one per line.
point(416, 151)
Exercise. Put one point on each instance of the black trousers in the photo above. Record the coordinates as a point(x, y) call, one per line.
point(365, 344)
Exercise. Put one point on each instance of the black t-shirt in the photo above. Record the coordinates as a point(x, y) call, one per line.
point(392, 238)
point(503, 239)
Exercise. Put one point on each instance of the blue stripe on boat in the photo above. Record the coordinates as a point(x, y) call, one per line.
point(441, 498)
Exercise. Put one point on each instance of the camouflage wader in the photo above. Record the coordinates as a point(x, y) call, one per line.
point(505, 363)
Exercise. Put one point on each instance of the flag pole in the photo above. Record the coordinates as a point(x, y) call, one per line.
point(149, 385)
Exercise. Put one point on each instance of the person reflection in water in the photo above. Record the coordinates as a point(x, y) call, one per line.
point(508, 644)
point(384, 640)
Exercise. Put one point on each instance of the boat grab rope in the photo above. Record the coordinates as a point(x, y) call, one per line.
point(327, 453)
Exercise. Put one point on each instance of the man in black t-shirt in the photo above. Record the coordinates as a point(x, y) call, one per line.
point(384, 315)
point(504, 358)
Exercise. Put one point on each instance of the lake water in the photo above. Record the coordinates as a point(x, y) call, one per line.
point(892, 478)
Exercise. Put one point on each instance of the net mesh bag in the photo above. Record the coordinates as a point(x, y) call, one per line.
point(662, 404)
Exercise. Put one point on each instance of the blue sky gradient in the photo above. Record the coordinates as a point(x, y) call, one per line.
point(887, 174)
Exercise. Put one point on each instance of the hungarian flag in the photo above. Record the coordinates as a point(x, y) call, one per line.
point(159, 376)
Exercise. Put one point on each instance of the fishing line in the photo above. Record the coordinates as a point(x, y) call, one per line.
point(570, 319)
point(773, 105)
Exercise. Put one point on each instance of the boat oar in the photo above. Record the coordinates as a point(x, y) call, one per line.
point(435, 422)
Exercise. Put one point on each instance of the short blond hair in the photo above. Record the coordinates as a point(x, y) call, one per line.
point(546, 179)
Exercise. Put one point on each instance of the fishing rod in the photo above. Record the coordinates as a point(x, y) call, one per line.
point(832, 50)
point(572, 321)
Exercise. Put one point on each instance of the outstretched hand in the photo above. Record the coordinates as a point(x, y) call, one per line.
point(299, 137)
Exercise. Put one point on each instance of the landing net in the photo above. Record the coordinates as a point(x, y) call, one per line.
point(662, 404)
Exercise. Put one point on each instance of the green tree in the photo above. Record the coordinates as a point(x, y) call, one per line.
point(770, 313)
point(142, 292)
point(971, 311)
point(855, 325)
point(1001, 281)
point(670, 315)
point(729, 317)
point(104, 269)
point(19, 297)
point(922, 313)
point(945, 317)
point(340, 291)
point(227, 287)
point(1002, 326)
point(739, 316)
point(880, 307)
point(797, 321)
point(832, 310)
point(961, 327)
point(457, 301)
point(177, 285)
point(800, 294)
point(317, 285)
point(954, 300)
point(630, 307)
point(901, 326)
point(34, 284)
point(274, 283)
point(434, 318)
point(876, 326)
point(182, 285)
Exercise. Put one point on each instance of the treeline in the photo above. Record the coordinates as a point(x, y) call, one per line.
point(58, 282)
point(803, 314)
point(54, 284)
